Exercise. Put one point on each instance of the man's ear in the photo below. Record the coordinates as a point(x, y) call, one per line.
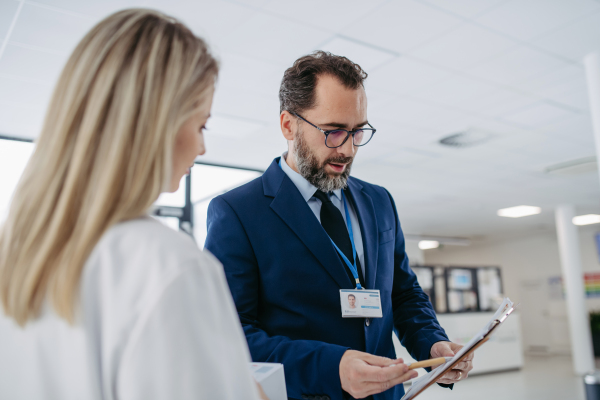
point(285, 121)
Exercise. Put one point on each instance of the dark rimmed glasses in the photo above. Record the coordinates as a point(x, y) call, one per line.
point(337, 137)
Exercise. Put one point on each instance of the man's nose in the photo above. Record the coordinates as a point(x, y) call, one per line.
point(348, 148)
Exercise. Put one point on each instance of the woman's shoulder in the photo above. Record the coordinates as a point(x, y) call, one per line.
point(145, 242)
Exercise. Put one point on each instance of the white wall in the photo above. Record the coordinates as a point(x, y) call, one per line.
point(527, 262)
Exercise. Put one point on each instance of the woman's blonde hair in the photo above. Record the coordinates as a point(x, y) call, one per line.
point(104, 154)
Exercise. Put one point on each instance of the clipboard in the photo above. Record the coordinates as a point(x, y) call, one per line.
point(506, 308)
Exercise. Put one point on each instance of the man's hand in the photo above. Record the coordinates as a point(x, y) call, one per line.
point(460, 371)
point(364, 374)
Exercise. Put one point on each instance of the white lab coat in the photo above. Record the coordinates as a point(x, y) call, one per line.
point(156, 321)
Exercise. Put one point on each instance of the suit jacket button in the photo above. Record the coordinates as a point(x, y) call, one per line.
point(367, 321)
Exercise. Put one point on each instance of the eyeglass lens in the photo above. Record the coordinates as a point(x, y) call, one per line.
point(336, 138)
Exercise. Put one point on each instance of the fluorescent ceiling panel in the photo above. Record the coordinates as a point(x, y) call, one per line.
point(519, 211)
point(586, 219)
point(368, 57)
point(428, 244)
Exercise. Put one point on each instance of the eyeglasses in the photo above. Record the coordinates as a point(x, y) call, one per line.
point(337, 137)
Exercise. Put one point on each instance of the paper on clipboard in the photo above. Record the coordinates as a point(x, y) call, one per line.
point(422, 383)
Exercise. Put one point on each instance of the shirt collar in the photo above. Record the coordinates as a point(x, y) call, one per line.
point(306, 189)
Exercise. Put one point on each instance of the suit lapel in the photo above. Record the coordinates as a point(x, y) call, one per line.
point(289, 205)
point(363, 205)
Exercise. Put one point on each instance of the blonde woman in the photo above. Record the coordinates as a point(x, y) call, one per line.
point(101, 301)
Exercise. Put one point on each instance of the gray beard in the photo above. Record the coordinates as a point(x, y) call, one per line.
point(315, 173)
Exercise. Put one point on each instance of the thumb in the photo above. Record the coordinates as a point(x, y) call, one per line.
point(446, 351)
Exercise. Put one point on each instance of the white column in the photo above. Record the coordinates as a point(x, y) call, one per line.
point(592, 71)
point(570, 260)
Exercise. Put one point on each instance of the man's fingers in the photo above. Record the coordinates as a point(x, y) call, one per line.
point(382, 374)
point(378, 387)
point(462, 365)
point(378, 361)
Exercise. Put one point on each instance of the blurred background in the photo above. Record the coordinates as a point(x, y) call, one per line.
point(480, 106)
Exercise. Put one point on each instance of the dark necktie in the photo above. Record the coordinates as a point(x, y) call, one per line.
point(333, 223)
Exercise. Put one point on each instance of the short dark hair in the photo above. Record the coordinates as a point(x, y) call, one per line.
point(351, 295)
point(297, 90)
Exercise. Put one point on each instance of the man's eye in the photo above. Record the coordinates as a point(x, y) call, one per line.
point(202, 128)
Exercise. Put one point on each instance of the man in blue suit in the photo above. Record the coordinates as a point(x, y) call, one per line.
point(292, 239)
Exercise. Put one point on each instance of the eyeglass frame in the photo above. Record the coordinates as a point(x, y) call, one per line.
point(327, 132)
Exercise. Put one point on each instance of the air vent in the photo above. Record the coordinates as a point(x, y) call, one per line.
point(468, 138)
point(578, 166)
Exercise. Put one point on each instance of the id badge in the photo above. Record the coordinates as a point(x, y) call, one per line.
point(360, 303)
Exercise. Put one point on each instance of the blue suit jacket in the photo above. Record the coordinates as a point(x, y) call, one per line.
point(285, 275)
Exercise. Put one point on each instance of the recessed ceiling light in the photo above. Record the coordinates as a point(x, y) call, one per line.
point(429, 244)
point(519, 211)
point(586, 219)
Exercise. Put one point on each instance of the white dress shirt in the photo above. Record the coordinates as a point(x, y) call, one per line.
point(156, 321)
point(307, 190)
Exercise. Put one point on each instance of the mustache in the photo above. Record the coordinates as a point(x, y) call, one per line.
point(339, 160)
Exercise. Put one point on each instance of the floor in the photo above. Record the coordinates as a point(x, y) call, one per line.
point(542, 377)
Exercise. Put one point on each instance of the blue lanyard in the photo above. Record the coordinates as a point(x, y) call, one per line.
point(352, 267)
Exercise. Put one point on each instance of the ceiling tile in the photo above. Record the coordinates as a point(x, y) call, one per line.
point(377, 99)
point(538, 115)
point(420, 114)
point(574, 40)
point(456, 91)
point(516, 65)
point(328, 15)
point(8, 9)
point(554, 82)
point(366, 56)
point(49, 29)
point(228, 126)
point(273, 39)
point(526, 19)
point(577, 98)
point(211, 20)
point(249, 75)
point(17, 120)
point(33, 65)
point(402, 25)
point(577, 129)
point(465, 8)
point(250, 106)
point(93, 8)
point(404, 76)
point(462, 47)
point(23, 93)
point(502, 101)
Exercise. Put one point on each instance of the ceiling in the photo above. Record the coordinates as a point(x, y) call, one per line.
point(510, 68)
